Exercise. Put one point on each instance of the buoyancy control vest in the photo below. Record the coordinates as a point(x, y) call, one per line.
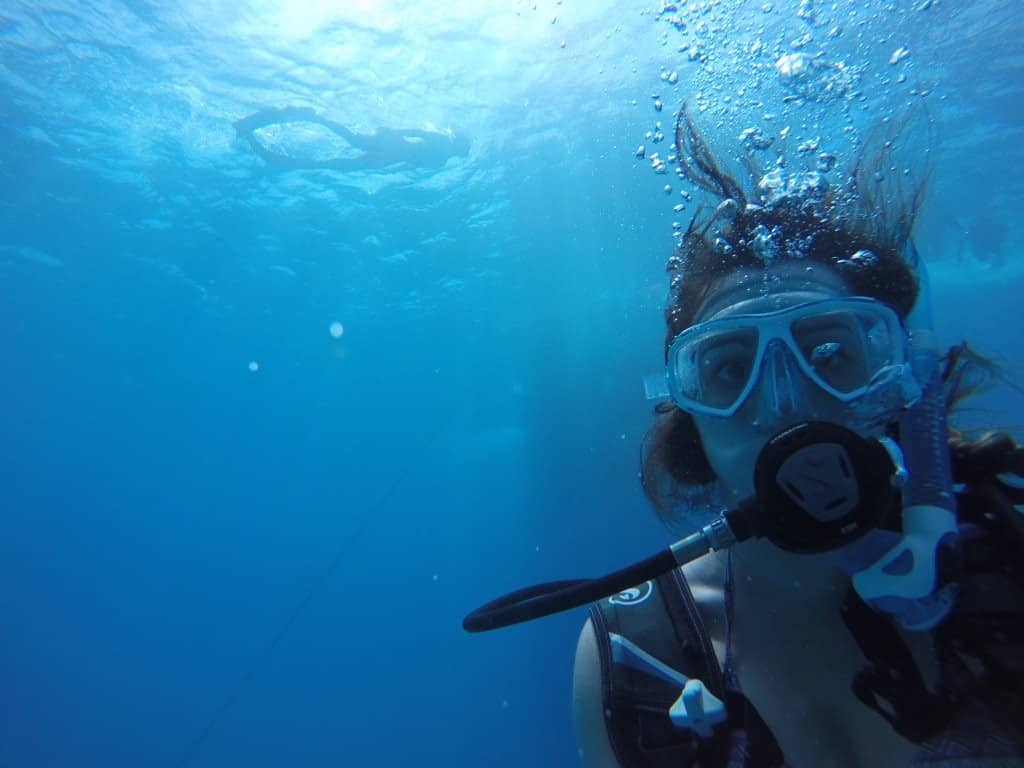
point(974, 713)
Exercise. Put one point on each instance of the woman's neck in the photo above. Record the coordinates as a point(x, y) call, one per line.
point(788, 581)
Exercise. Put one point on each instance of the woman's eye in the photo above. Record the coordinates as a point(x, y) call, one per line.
point(725, 363)
point(730, 372)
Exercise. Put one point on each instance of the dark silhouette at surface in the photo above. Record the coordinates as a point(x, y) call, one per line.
point(385, 148)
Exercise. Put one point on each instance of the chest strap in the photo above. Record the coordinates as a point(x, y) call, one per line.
point(652, 644)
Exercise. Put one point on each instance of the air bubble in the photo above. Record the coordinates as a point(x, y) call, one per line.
point(811, 145)
point(899, 55)
point(755, 138)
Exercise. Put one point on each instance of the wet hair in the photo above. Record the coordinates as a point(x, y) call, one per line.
point(861, 229)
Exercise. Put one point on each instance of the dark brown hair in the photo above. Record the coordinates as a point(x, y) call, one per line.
point(860, 228)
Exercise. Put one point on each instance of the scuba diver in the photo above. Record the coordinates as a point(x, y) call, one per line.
point(384, 149)
point(849, 590)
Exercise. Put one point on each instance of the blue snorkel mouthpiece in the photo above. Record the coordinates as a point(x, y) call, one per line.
point(915, 581)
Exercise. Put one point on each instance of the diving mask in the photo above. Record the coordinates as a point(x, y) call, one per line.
point(847, 346)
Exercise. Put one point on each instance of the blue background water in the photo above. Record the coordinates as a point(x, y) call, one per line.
point(206, 565)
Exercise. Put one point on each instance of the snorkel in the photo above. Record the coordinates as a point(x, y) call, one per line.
point(915, 580)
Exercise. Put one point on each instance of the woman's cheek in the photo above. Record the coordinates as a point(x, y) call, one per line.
point(732, 449)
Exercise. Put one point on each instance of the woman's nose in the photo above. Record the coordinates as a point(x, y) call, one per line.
point(780, 390)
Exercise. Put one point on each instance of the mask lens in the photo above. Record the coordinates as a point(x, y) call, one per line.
point(844, 348)
point(713, 368)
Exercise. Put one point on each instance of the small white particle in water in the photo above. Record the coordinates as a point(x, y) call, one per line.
point(898, 55)
point(537, 548)
point(622, 436)
point(434, 577)
point(337, 329)
point(504, 703)
point(254, 366)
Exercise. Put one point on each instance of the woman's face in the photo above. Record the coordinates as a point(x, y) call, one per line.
point(783, 395)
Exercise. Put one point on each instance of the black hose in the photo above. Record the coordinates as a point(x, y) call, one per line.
point(556, 596)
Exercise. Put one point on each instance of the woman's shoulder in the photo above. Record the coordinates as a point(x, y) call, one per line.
point(704, 580)
point(588, 703)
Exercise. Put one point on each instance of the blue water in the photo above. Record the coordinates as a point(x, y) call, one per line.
point(228, 537)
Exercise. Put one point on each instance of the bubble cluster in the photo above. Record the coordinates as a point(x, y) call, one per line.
point(789, 89)
point(656, 136)
point(811, 145)
point(815, 78)
point(763, 243)
point(755, 139)
point(826, 162)
point(778, 188)
point(808, 12)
